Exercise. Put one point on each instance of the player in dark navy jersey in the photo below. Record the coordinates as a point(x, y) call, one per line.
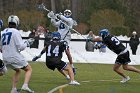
point(123, 58)
point(3, 68)
point(54, 51)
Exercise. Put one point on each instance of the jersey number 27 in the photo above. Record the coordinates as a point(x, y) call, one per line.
point(6, 37)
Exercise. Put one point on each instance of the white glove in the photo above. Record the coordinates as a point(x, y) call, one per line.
point(29, 42)
point(75, 23)
point(57, 15)
point(51, 15)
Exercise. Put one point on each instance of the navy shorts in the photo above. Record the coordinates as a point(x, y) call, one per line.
point(60, 65)
point(123, 58)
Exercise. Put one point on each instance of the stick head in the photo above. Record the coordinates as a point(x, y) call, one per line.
point(42, 7)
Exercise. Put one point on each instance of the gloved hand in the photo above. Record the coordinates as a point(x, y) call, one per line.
point(74, 69)
point(89, 39)
point(36, 57)
point(57, 16)
point(29, 42)
point(51, 15)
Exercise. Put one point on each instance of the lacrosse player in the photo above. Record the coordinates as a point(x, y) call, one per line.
point(54, 50)
point(123, 58)
point(11, 45)
point(3, 68)
point(1, 23)
point(64, 30)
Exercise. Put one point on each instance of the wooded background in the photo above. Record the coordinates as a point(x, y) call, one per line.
point(119, 16)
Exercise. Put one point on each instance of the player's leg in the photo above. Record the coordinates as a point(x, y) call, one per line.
point(28, 72)
point(69, 56)
point(131, 68)
point(64, 74)
point(64, 66)
point(120, 72)
point(71, 74)
point(126, 59)
point(15, 80)
point(123, 60)
point(117, 69)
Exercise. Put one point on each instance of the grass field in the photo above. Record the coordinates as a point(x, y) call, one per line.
point(94, 78)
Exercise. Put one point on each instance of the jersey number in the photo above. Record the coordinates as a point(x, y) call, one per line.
point(6, 37)
point(117, 42)
point(62, 26)
point(55, 50)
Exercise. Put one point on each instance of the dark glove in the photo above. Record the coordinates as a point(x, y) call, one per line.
point(36, 57)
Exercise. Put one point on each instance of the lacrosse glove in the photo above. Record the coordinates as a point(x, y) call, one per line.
point(51, 15)
point(29, 42)
point(36, 57)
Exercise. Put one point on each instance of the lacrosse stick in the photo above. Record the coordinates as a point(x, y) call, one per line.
point(42, 6)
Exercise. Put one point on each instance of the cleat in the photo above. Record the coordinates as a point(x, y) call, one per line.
point(27, 89)
point(14, 91)
point(74, 83)
point(124, 80)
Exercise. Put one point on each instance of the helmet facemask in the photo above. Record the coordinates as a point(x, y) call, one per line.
point(67, 13)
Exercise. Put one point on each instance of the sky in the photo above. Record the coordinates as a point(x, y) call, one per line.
point(79, 54)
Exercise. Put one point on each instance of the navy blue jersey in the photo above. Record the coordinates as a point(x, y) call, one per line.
point(1, 64)
point(54, 51)
point(114, 44)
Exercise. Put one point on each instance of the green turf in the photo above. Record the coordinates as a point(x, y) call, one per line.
point(94, 78)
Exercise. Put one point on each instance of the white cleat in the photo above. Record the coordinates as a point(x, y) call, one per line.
point(124, 80)
point(27, 89)
point(74, 83)
point(14, 91)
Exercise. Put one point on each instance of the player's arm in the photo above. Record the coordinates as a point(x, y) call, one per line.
point(55, 22)
point(19, 42)
point(39, 56)
point(68, 21)
point(97, 39)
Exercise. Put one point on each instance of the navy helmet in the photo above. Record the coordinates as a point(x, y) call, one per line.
point(104, 32)
point(56, 36)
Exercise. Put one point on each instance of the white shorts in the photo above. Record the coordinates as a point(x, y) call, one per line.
point(15, 62)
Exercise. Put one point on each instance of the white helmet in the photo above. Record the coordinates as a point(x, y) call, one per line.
point(67, 13)
point(134, 32)
point(14, 19)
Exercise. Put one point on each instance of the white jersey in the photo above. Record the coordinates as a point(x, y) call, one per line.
point(63, 29)
point(12, 44)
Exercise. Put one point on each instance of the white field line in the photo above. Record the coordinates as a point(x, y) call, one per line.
point(87, 81)
point(61, 86)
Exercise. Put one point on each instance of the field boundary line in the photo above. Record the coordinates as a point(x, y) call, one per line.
point(56, 88)
point(86, 81)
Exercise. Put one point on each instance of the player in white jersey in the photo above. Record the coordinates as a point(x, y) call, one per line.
point(11, 46)
point(64, 30)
